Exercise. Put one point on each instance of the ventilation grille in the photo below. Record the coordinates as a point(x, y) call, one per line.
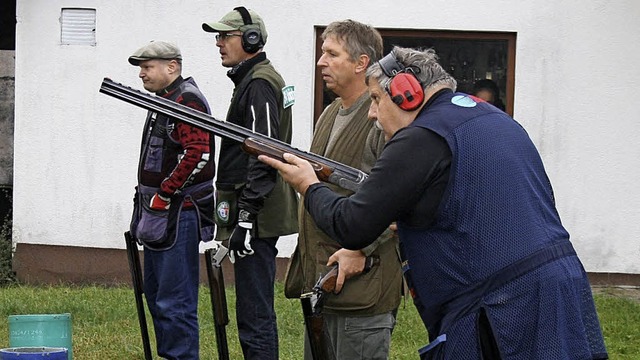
point(78, 27)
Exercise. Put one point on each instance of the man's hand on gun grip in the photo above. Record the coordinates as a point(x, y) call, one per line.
point(240, 241)
point(350, 262)
point(159, 202)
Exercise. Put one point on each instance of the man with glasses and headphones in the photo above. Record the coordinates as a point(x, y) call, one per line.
point(254, 206)
point(489, 264)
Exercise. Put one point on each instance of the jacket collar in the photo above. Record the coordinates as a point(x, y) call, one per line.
point(238, 72)
point(171, 88)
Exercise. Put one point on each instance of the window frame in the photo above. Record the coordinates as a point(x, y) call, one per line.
point(509, 37)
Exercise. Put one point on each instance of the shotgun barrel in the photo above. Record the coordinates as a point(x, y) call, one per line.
point(254, 143)
point(136, 279)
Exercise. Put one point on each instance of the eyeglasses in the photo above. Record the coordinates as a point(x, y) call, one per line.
point(225, 36)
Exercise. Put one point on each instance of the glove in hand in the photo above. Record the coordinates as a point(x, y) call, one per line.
point(159, 202)
point(240, 241)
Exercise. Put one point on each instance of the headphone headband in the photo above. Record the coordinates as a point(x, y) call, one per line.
point(252, 40)
point(246, 17)
point(390, 66)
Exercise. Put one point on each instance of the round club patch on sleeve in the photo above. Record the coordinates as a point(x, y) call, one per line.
point(464, 101)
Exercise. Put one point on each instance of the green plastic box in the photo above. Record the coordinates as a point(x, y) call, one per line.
point(48, 330)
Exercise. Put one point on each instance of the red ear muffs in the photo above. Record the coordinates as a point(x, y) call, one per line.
point(405, 91)
point(404, 87)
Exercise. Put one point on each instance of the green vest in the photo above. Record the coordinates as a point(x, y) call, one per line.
point(379, 290)
point(278, 216)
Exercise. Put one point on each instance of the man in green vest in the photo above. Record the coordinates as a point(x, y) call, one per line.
point(254, 207)
point(366, 301)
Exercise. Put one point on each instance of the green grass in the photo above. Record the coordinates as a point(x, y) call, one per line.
point(105, 325)
point(620, 321)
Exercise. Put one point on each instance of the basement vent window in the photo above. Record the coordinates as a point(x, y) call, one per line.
point(78, 26)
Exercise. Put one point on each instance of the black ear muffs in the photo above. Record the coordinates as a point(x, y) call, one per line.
point(251, 38)
point(404, 88)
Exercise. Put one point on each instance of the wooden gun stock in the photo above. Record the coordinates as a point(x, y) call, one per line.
point(327, 284)
point(254, 147)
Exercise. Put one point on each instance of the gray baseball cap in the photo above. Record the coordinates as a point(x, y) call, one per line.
point(233, 21)
point(155, 50)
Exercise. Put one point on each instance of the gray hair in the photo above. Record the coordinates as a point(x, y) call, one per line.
point(358, 38)
point(425, 64)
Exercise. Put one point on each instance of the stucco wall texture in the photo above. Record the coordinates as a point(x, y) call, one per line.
point(76, 150)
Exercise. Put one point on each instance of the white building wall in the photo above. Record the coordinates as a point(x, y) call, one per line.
point(76, 149)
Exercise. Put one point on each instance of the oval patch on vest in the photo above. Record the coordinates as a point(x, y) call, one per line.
point(223, 211)
point(464, 101)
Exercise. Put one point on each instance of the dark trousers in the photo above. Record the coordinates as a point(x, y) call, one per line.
point(171, 289)
point(255, 314)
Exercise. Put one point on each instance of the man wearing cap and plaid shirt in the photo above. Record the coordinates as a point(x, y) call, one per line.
point(173, 202)
point(254, 207)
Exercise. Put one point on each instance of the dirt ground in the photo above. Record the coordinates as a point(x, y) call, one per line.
point(628, 292)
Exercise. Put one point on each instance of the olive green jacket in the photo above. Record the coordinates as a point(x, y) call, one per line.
point(375, 292)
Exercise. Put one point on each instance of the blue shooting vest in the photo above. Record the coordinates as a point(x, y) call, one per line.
point(497, 248)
